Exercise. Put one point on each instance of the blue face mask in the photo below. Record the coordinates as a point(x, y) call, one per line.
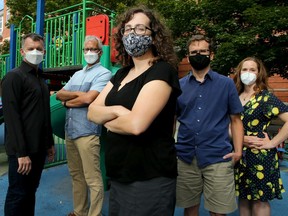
point(136, 45)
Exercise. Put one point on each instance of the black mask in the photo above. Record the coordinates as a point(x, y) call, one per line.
point(199, 61)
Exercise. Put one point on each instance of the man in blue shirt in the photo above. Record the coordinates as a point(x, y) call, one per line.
point(82, 136)
point(208, 104)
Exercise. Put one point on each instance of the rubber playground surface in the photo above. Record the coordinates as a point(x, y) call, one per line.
point(54, 195)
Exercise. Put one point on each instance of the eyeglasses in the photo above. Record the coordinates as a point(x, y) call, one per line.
point(94, 50)
point(201, 51)
point(139, 29)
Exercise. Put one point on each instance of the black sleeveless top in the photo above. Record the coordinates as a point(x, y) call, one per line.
point(151, 154)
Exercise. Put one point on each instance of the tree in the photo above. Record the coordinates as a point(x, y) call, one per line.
point(4, 47)
point(240, 28)
point(19, 9)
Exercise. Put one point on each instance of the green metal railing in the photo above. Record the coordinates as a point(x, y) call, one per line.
point(60, 157)
point(4, 64)
point(64, 32)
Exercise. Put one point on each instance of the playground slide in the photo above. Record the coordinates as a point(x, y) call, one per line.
point(57, 116)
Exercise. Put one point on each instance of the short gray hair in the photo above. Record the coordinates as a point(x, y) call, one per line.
point(33, 36)
point(94, 38)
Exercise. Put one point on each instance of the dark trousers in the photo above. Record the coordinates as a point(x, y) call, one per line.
point(20, 198)
point(154, 197)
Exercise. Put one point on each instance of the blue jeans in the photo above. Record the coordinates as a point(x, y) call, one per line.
point(20, 198)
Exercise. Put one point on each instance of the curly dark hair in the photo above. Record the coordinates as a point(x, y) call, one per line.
point(262, 77)
point(162, 46)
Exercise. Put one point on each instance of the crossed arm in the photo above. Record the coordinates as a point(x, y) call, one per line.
point(76, 98)
point(149, 103)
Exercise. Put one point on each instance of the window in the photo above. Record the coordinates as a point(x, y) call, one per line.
point(7, 15)
point(1, 24)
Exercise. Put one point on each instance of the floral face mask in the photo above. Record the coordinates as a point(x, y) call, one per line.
point(136, 45)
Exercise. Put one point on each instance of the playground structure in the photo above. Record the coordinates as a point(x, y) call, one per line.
point(64, 32)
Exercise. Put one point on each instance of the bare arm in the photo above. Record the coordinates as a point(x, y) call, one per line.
point(279, 138)
point(248, 141)
point(99, 113)
point(64, 95)
point(76, 98)
point(83, 99)
point(149, 103)
point(237, 132)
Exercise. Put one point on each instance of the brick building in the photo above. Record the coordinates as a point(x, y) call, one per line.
point(278, 85)
point(4, 17)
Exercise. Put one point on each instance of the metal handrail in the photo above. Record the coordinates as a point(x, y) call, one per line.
point(64, 34)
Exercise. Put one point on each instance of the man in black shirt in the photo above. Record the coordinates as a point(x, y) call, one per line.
point(28, 134)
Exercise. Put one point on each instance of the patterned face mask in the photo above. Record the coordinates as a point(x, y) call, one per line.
point(136, 45)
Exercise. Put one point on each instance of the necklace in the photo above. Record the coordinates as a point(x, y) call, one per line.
point(247, 96)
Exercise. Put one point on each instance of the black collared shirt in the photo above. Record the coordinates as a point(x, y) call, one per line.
point(26, 111)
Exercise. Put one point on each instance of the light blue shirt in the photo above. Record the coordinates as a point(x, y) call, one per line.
point(92, 78)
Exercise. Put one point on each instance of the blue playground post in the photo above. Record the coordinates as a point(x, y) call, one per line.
point(40, 17)
point(12, 48)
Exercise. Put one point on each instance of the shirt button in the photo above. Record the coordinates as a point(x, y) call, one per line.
point(199, 108)
point(200, 96)
point(198, 120)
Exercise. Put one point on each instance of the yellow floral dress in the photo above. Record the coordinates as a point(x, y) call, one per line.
point(257, 175)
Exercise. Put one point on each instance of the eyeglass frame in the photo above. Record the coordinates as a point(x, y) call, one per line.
point(201, 51)
point(93, 50)
point(122, 30)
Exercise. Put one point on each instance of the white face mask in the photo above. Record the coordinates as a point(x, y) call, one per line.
point(91, 57)
point(248, 78)
point(34, 57)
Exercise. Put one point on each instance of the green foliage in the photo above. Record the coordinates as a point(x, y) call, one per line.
point(240, 28)
point(4, 47)
point(18, 9)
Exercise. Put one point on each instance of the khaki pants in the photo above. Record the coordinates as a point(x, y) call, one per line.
point(83, 157)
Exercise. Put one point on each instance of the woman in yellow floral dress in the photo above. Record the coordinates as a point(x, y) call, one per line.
point(257, 174)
